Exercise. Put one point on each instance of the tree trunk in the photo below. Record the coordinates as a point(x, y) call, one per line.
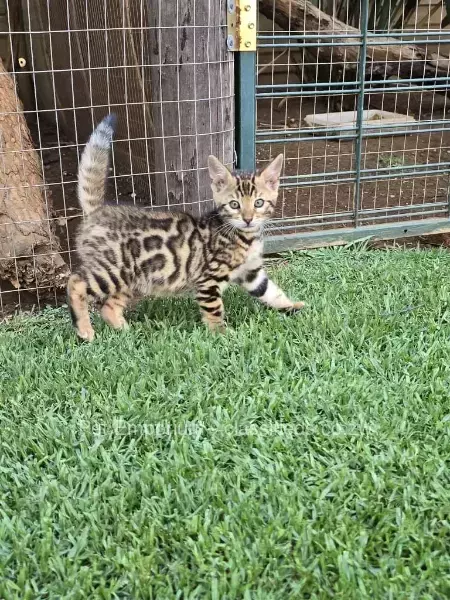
point(403, 61)
point(29, 252)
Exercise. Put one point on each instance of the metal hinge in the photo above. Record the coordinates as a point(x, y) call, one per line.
point(241, 22)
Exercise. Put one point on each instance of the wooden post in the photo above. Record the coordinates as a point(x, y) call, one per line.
point(192, 96)
point(164, 62)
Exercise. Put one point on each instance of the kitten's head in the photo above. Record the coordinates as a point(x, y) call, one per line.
point(246, 201)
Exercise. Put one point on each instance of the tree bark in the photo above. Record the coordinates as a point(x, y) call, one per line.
point(390, 59)
point(29, 252)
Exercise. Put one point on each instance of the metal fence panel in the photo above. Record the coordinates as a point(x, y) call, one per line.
point(366, 174)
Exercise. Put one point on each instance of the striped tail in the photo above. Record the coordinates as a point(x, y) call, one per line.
point(94, 166)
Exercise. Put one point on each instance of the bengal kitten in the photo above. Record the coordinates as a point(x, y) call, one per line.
point(129, 252)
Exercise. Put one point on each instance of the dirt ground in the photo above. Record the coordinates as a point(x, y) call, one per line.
point(331, 156)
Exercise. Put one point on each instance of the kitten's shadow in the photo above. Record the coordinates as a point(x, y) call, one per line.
point(183, 313)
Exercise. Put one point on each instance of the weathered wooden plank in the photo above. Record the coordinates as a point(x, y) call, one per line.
point(340, 237)
point(192, 103)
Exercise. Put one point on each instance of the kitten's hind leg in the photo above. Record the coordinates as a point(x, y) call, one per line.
point(77, 298)
point(112, 310)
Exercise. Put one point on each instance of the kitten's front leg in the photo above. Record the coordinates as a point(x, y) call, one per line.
point(209, 298)
point(261, 287)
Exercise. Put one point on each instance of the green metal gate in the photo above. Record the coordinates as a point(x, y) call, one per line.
point(377, 167)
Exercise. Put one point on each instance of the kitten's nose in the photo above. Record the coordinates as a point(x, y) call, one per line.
point(248, 221)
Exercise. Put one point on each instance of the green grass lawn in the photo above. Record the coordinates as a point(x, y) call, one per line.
point(294, 457)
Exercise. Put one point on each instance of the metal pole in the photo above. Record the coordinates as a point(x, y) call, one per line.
point(245, 83)
point(360, 109)
point(242, 24)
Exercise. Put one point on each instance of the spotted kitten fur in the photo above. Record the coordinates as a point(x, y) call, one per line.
point(128, 252)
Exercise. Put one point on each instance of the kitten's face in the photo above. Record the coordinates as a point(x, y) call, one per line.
point(245, 201)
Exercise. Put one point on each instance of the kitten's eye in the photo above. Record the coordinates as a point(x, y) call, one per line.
point(235, 204)
point(259, 202)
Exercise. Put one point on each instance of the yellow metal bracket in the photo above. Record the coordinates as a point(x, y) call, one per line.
point(241, 23)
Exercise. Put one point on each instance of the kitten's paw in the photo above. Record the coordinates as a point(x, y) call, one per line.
point(119, 324)
point(113, 317)
point(296, 307)
point(86, 334)
point(217, 327)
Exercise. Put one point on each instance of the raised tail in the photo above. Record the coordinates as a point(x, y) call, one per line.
point(94, 166)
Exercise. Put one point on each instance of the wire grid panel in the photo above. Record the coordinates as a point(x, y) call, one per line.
point(322, 81)
point(162, 67)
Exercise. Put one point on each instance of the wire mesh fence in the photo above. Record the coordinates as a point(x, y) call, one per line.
point(355, 95)
point(162, 67)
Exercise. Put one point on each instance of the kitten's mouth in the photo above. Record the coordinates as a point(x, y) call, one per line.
point(249, 227)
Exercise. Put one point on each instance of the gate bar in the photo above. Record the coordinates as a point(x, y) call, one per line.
point(245, 76)
point(364, 22)
point(242, 21)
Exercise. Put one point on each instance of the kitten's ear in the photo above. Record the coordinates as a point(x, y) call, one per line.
point(271, 174)
point(219, 174)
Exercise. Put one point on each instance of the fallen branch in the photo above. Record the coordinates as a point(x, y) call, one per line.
point(386, 59)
